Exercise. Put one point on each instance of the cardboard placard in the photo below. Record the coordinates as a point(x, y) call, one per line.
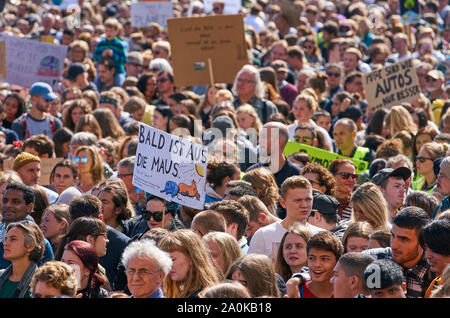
point(3, 73)
point(30, 61)
point(322, 157)
point(170, 167)
point(144, 13)
point(47, 165)
point(193, 40)
point(392, 85)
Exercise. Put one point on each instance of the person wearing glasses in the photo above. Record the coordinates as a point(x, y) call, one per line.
point(344, 174)
point(90, 168)
point(392, 184)
point(146, 266)
point(166, 87)
point(435, 85)
point(429, 152)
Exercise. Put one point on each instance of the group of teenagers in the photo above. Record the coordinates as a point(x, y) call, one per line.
point(276, 222)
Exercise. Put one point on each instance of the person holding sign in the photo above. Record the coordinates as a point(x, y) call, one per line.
point(344, 134)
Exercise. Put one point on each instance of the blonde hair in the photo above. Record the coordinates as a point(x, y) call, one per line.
point(435, 149)
point(400, 119)
point(371, 201)
point(201, 273)
point(228, 247)
point(223, 95)
point(250, 110)
point(310, 101)
point(58, 275)
point(262, 178)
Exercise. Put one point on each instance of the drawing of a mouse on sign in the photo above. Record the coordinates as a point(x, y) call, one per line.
point(183, 189)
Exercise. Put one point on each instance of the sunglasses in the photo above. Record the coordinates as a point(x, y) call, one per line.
point(334, 74)
point(314, 182)
point(162, 80)
point(346, 175)
point(422, 159)
point(78, 159)
point(304, 139)
point(157, 216)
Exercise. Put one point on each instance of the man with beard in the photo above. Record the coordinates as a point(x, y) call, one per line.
point(37, 120)
point(406, 251)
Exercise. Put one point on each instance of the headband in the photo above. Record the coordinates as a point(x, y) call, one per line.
point(108, 100)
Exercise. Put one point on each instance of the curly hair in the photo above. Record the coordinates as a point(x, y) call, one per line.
point(81, 103)
point(58, 275)
point(262, 179)
point(325, 177)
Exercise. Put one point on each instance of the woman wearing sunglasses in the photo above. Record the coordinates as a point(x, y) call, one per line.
point(90, 168)
point(424, 163)
point(344, 174)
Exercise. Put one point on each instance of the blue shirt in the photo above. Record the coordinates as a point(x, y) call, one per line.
point(157, 294)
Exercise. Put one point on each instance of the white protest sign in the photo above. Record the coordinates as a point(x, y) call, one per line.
point(170, 167)
point(392, 85)
point(30, 61)
point(64, 4)
point(144, 13)
point(231, 6)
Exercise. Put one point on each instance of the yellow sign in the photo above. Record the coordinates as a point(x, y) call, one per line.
point(322, 157)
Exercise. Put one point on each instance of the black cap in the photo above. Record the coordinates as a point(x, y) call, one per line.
point(384, 174)
point(325, 204)
point(352, 112)
point(74, 70)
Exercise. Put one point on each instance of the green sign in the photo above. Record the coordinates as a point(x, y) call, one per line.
point(322, 157)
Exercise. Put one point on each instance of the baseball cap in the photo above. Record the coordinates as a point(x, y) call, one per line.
point(74, 70)
point(43, 89)
point(384, 174)
point(223, 123)
point(325, 204)
point(436, 74)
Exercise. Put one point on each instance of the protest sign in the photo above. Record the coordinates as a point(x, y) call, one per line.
point(30, 61)
point(322, 157)
point(47, 165)
point(170, 167)
point(392, 85)
point(3, 73)
point(195, 40)
point(65, 4)
point(144, 13)
point(231, 6)
point(410, 11)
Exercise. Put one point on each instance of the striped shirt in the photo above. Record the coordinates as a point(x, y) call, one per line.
point(119, 49)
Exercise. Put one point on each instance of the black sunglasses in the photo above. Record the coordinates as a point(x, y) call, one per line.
point(157, 216)
point(346, 175)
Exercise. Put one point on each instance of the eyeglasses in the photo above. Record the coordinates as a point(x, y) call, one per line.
point(157, 216)
point(124, 175)
point(334, 74)
point(314, 182)
point(154, 69)
point(140, 272)
point(346, 175)
point(162, 80)
point(422, 159)
point(78, 159)
point(304, 139)
point(246, 81)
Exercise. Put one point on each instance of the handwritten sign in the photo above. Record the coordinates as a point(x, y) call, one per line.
point(231, 6)
point(3, 73)
point(170, 167)
point(320, 156)
point(30, 61)
point(392, 85)
point(197, 39)
point(47, 165)
point(144, 13)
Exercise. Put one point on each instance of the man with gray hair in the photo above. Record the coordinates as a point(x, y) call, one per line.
point(125, 171)
point(145, 266)
point(249, 89)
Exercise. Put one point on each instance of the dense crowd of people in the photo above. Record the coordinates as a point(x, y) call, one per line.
point(273, 224)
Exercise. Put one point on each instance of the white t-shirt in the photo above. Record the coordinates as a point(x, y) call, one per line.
point(266, 240)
